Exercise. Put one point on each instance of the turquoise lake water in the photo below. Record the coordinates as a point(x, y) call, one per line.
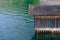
point(15, 23)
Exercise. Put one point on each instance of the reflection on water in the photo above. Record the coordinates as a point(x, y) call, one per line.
point(47, 35)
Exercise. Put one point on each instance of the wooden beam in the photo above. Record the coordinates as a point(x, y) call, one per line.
point(44, 17)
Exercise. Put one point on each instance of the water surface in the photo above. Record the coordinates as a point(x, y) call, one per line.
point(15, 23)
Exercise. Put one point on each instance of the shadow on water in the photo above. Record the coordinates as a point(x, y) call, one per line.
point(47, 35)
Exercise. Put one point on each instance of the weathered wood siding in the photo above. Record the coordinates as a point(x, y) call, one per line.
point(44, 10)
point(47, 23)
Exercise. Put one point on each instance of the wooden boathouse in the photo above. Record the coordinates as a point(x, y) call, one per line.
point(46, 17)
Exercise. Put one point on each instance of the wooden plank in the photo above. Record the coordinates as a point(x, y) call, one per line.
point(46, 10)
point(48, 29)
point(47, 17)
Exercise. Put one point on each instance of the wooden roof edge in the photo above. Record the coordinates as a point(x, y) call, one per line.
point(45, 5)
point(33, 11)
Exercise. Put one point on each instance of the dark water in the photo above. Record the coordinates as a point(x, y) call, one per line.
point(46, 35)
